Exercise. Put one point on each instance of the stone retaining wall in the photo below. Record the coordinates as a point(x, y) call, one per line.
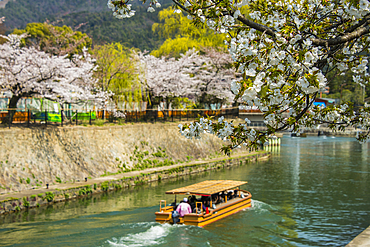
point(31, 158)
point(54, 196)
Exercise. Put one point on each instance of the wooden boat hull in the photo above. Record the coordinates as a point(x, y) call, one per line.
point(233, 206)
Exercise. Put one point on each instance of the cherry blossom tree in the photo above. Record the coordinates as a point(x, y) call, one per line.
point(285, 51)
point(215, 80)
point(192, 75)
point(170, 77)
point(26, 72)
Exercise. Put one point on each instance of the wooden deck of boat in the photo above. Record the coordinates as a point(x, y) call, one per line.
point(222, 210)
point(225, 204)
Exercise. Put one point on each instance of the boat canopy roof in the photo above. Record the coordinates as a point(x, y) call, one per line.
point(207, 188)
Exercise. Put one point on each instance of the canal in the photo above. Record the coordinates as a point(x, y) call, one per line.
point(314, 191)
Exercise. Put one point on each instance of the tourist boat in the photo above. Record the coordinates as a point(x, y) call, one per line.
point(298, 135)
point(228, 203)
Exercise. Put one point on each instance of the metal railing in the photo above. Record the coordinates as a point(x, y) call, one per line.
point(30, 118)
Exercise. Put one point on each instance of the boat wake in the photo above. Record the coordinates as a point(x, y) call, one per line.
point(155, 235)
point(258, 205)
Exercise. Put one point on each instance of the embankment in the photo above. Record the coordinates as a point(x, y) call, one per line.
point(32, 158)
point(25, 200)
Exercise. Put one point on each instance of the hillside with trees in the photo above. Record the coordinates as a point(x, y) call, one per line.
point(91, 17)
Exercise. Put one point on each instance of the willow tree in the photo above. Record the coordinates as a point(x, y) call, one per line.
point(118, 72)
point(181, 35)
point(285, 51)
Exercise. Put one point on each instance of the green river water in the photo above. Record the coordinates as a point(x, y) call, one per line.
point(314, 191)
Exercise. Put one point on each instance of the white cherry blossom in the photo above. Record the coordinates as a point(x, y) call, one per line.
point(285, 52)
point(27, 72)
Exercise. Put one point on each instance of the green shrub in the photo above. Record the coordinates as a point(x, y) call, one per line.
point(58, 180)
point(17, 208)
point(66, 196)
point(88, 189)
point(40, 195)
point(139, 182)
point(33, 196)
point(159, 154)
point(28, 180)
point(82, 191)
point(49, 196)
point(37, 205)
point(104, 186)
point(26, 203)
point(95, 186)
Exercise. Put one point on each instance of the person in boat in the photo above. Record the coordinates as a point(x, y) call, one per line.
point(206, 201)
point(192, 201)
point(230, 195)
point(223, 195)
point(216, 199)
point(236, 194)
point(184, 208)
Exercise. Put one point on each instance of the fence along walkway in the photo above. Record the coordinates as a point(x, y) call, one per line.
point(31, 118)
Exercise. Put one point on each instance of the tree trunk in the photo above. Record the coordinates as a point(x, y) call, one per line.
point(12, 106)
point(150, 100)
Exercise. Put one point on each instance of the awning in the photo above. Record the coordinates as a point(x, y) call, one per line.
point(321, 104)
point(207, 188)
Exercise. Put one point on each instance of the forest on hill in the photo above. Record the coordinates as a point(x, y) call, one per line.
point(95, 19)
point(88, 16)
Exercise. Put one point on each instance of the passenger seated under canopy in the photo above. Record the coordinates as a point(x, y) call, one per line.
point(184, 208)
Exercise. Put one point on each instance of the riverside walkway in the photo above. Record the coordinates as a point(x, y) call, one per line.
point(66, 186)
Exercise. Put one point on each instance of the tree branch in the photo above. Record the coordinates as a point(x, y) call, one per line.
point(256, 26)
point(342, 39)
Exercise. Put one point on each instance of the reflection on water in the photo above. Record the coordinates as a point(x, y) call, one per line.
point(312, 192)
